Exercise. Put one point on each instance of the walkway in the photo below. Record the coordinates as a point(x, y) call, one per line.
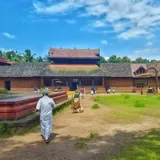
point(67, 130)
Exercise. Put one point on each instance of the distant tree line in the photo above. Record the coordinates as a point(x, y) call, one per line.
point(125, 59)
point(27, 56)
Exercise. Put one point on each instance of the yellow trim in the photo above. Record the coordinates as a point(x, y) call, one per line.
point(70, 92)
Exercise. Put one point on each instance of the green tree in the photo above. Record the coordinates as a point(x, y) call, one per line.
point(141, 60)
point(39, 59)
point(28, 57)
point(113, 59)
point(125, 59)
point(102, 60)
point(10, 55)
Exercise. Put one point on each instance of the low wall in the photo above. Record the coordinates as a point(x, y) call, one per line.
point(17, 108)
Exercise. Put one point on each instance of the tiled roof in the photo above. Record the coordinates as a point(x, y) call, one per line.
point(49, 70)
point(3, 60)
point(135, 67)
point(73, 53)
point(116, 70)
point(156, 65)
point(23, 70)
point(72, 67)
point(73, 70)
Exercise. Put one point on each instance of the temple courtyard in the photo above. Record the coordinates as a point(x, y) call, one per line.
point(113, 127)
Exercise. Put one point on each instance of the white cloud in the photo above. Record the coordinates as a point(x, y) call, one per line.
point(148, 53)
point(96, 10)
point(99, 24)
point(70, 21)
point(104, 42)
point(132, 18)
point(8, 35)
point(133, 33)
point(149, 44)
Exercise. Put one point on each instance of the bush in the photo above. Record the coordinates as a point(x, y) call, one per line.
point(3, 128)
point(139, 104)
point(93, 135)
point(126, 96)
point(95, 106)
point(3, 91)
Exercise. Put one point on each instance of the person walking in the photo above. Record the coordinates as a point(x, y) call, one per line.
point(45, 105)
point(82, 92)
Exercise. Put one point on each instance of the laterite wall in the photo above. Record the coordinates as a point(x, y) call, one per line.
point(22, 84)
point(120, 84)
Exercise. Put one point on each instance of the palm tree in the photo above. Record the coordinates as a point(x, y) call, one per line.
point(28, 57)
point(39, 59)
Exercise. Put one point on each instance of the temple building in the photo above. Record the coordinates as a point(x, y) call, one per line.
point(74, 68)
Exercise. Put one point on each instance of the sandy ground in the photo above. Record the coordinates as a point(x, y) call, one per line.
point(68, 128)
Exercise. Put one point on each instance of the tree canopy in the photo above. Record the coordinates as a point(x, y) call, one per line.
point(28, 56)
point(125, 59)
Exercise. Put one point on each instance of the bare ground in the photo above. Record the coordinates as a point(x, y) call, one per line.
point(68, 128)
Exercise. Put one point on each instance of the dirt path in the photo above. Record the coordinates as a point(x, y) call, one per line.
point(67, 129)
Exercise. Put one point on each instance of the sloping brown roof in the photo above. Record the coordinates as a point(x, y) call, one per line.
point(135, 67)
point(73, 53)
point(155, 65)
point(73, 70)
point(116, 69)
point(3, 60)
point(72, 67)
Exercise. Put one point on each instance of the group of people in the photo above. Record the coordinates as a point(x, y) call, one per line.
point(108, 90)
point(45, 105)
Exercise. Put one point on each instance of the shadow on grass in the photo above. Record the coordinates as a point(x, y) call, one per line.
point(120, 146)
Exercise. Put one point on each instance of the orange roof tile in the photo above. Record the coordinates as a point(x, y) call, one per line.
point(73, 53)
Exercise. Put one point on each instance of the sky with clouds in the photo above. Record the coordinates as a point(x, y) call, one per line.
point(121, 27)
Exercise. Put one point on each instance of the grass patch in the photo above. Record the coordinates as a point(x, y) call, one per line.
point(83, 142)
point(20, 131)
point(127, 107)
point(119, 116)
point(158, 97)
point(126, 96)
point(139, 104)
point(3, 91)
point(146, 147)
point(95, 106)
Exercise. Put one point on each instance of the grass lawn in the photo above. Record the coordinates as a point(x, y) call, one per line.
point(146, 147)
point(130, 108)
point(127, 108)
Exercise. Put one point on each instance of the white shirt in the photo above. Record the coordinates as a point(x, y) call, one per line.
point(45, 105)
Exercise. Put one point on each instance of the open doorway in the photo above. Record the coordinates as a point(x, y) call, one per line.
point(7, 85)
point(75, 83)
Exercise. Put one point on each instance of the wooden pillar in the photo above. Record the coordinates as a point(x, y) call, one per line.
point(66, 81)
point(92, 81)
point(103, 81)
point(80, 81)
point(42, 81)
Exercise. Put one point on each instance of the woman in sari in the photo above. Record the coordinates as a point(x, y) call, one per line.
point(76, 106)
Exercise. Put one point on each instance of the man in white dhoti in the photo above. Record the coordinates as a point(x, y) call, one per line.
point(45, 105)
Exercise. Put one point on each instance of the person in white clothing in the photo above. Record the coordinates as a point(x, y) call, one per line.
point(45, 105)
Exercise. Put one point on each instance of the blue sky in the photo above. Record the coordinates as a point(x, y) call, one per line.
point(121, 27)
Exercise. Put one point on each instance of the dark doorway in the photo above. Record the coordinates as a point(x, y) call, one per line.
point(7, 85)
point(74, 84)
